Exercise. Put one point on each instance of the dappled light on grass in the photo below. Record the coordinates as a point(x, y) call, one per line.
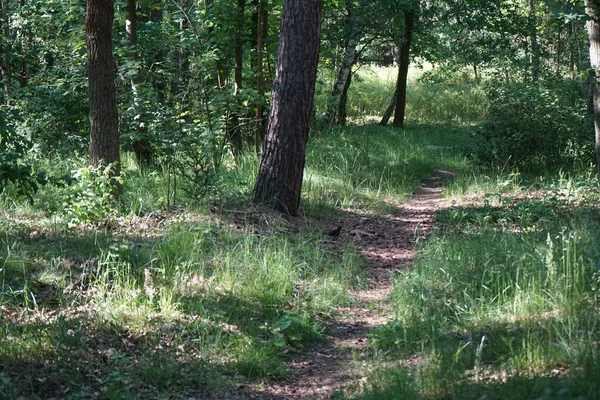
point(369, 166)
point(504, 298)
point(197, 300)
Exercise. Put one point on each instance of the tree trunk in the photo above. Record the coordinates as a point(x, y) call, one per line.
point(279, 181)
point(104, 124)
point(401, 84)
point(235, 132)
point(534, 56)
point(141, 145)
point(389, 111)
point(4, 47)
point(343, 77)
point(259, 134)
point(593, 26)
point(342, 115)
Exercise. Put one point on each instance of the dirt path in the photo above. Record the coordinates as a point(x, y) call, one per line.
point(387, 243)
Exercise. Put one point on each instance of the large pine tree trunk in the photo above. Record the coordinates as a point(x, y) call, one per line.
point(104, 126)
point(279, 181)
point(593, 27)
point(401, 83)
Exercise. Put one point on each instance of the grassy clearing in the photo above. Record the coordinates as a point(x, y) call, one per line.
point(150, 301)
point(502, 302)
point(372, 166)
point(172, 297)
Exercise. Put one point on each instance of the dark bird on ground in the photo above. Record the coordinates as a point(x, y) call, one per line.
point(334, 233)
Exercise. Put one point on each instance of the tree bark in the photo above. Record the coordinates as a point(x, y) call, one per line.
point(534, 56)
point(342, 81)
point(279, 181)
point(592, 8)
point(104, 126)
point(235, 132)
point(342, 114)
point(389, 111)
point(141, 145)
point(401, 83)
point(4, 49)
point(259, 134)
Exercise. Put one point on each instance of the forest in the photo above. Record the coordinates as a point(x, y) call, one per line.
point(300, 199)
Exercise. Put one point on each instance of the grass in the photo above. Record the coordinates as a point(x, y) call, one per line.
point(502, 302)
point(155, 300)
point(171, 297)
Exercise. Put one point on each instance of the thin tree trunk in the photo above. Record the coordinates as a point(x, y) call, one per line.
point(235, 132)
point(343, 76)
point(279, 181)
point(4, 42)
point(389, 111)
point(342, 112)
point(104, 127)
point(401, 84)
point(593, 27)
point(141, 145)
point(534, 56)
point(259, 135)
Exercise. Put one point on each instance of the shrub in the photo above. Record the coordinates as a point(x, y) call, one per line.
point(14, 168)
point(534, 125)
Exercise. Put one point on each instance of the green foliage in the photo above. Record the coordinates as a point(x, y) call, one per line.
point(534, 125)
point(439, 96)
point(92, 198)
point(15, 167)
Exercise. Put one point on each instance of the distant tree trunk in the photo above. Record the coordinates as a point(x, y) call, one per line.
point(389, 111)
point(4, 47)
point(342, 81)
point(208, 7)
point(401, 83)
point(279, 181)
point(534, 56)
point(235, 132)
point(593, 27)
point(259, 134)
point(104, 125)
point(141, 145)
point(342, 114)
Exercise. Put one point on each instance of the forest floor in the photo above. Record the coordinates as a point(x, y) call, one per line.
point(337, 364)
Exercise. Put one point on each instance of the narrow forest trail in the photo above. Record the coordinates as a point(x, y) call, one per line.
point(387, 242)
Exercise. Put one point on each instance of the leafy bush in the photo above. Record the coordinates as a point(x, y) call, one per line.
point(92, 199)
point(14, 168)
point(532, 125)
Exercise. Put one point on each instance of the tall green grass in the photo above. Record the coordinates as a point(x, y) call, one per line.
point(370, 166)
point(452, 99)
point(502, 301)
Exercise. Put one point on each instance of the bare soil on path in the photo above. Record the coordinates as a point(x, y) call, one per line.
point(387, 243)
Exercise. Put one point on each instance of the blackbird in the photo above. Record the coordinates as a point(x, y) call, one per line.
point(334, 233)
